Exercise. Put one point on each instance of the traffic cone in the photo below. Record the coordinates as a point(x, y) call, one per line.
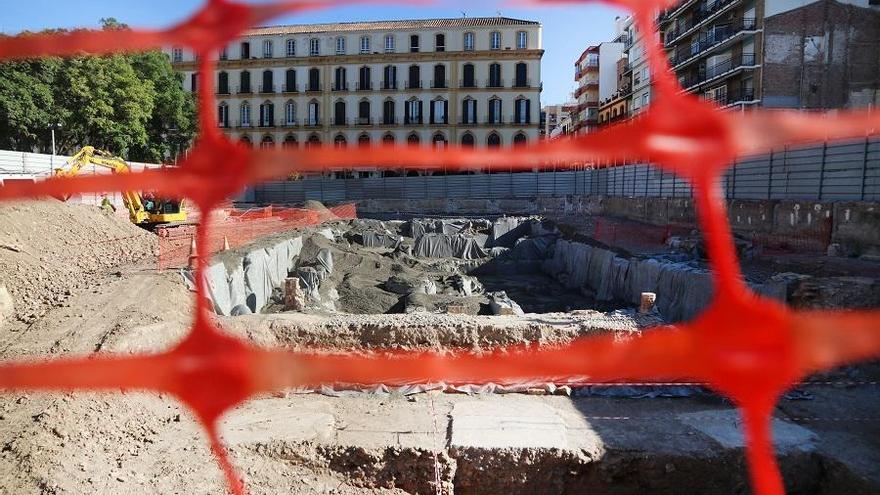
point(193, 254)
point(225, 243)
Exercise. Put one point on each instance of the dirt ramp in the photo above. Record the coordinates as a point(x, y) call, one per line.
point(50, 250)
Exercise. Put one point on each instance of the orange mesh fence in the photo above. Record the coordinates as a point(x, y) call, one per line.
point(747, 348)
point(241, 227)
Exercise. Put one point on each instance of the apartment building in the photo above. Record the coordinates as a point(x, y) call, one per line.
point(596, 75)
point(617, 106)
point(472, 81)
point(776, 53)
point(555, 117)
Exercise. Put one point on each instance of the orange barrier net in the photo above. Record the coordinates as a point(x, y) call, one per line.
point(235, 228)
point(747, 348)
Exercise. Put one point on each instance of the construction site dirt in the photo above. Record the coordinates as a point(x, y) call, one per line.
point(371, 287)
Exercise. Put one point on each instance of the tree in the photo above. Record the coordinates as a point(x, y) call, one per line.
point(132, 105)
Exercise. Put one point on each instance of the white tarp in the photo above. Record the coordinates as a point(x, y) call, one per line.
point(448, 246)
point(256, 280)
point(218, 289)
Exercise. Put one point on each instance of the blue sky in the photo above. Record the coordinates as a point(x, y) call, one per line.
point(567, 30)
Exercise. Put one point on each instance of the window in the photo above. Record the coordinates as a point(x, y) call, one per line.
point(522, 111)
point(314, 141)
point(388, 139)
point(413, 112)
point(223, 115)
point(469, 42)
point(364, 112)
point(389, 43)
point(246, 142)
point(439, 112)
point(290, 113)
point(365, 44)
point(245, 50)
point(267, 49)
point(519, 140)
point(440, 43)
point(291, 48)
point(224, 53)
point(244, 82)
point(339, 113)
point(439, 140)
point(314, 117)
point(646, 74)
point(223, 83)
point(290, 81)
point(315, 79)
point(468, 140)
point(177, 54)
point(340, 45)
point(522, 40)
point(365, 79)
point(388, 112)
point(314, 47)
point(468, 77)
point(267, 142)
point(469, 111)
point(245, 114)
point(390, 77)
point(290, 142)
point(194, 82)
point(494, 140)
point(646, 98)
point(415, 77)
point(495, 40)
point(339, 81)
point(339, 141)
point(414, 43)
point(268, 82)
point(267, 114)
point(413, 139)
point(522, 75)
point(364, 140)
point(495, 76)
point(495, 111)
point(439, 76)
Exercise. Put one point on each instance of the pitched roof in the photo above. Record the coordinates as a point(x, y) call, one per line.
point(402, 25)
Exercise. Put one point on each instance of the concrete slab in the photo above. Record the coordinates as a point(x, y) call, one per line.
point(267, 420)
point(519, 424)
point(726, 428)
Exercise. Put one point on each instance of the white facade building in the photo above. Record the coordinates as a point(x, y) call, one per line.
point(473, 81)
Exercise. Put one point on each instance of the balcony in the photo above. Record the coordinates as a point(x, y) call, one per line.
point(699, 17)
point(290, 124)
point(364, 86)
point(267, 124)
point(313, 88)
point(522, 83)
point(364, 121)
point(414, 85)
point(312, 122)
point(467, 83)
point(469, 122)
point(734, 97)
point(290, 89)
point(711, 40)
point(389, 85)
point(244, 124)
point(441, 84)
point(389, 121)
point(244, 90)
point(267, 89)
point(727, 67)
point(223, 91)
point(495, 83)
point(340, 122)
point(343, 86)
point(411, 121)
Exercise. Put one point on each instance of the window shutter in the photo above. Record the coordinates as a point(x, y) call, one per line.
point(492, 112)
point(446, 112)
point(271, 114)
point(528, 112)
point(420, 112)
point(433, 112)
point(517, 111)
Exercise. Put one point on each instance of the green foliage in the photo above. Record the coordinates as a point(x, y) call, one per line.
point(132, 105)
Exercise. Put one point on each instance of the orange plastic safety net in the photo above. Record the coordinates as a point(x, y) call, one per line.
point(747, 348)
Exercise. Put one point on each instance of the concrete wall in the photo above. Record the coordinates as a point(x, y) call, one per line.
point(775, 224)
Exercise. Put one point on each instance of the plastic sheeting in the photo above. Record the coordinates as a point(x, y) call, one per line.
point(448, 246)
point(372, 239)
point(507, 230)
point(218, 289)
point(501, 304)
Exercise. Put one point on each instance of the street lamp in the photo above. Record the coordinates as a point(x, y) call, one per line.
point(52, 128)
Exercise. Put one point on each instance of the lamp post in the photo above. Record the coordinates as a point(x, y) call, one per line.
point(52, 129)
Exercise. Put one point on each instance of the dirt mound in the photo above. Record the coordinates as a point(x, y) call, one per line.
point(324, 213)
point(51, 250)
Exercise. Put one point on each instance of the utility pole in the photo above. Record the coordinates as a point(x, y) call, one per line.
point(52, 128)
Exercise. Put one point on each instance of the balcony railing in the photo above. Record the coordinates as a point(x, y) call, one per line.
point(290, 123)
point(699, 15)
point(364, 86)
point(389, 85)
point(340, 122)
point(265, 124)
point(522, 83)
point(495, 83)
point(244, 124)
point(713, 71)
point(312, 123)
point(267, 89)
point(414, 85)
point(223, 91)
point(439, 84)
point(708, 40)
point(311, 88)
point(340, 86)
point(471, 83)
point(244, 90)
point(732, 97)
point(290, 88)
point(364, 121)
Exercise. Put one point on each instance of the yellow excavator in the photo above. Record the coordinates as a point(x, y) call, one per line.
point(149, 213)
